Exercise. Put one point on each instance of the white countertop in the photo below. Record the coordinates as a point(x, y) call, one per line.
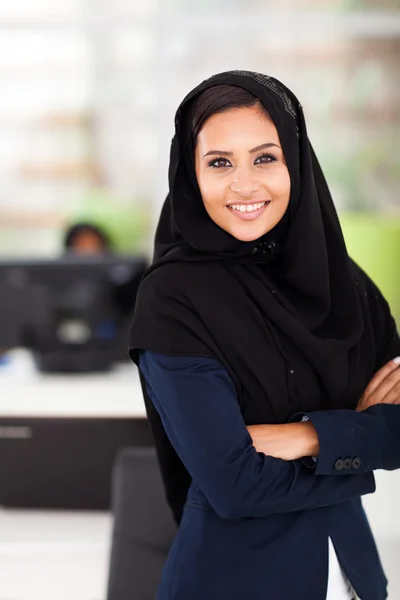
point(24, 392)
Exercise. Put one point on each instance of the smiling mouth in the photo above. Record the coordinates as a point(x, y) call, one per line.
point(249, 208)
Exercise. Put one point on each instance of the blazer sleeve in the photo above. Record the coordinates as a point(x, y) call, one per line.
point(197, 404)
point(357, 442)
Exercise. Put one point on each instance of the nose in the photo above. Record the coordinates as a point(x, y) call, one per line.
point(245, 185)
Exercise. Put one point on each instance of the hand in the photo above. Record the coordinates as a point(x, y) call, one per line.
point(289, 441)
point(384, 387)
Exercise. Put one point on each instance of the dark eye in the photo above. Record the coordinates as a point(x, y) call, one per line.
point(219, 163)
point(265, 159)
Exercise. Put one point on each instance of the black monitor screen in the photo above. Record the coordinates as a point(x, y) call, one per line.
point(73, 312)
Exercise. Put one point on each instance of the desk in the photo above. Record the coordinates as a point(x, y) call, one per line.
point(24, 392)
point(59, 434)
point(75, 425)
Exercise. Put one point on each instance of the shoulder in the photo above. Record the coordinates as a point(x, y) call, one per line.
point(170, 279)
point(162, 289)
point(367, 286)
point(165, 318)
point(377, 311)
point(181, 282)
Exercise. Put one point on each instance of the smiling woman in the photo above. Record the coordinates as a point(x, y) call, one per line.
point(257, 340)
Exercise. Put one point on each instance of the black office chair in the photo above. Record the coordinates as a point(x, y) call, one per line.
point(143, 526)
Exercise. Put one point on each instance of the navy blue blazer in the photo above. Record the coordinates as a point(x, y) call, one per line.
point(255, 527)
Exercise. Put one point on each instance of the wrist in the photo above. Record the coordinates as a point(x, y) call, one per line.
point(308, 439)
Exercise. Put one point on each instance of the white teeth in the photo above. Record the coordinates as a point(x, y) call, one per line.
point(248, 207)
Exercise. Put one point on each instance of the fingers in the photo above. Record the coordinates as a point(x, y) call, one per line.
point(386, 371)
point(393, 396)
point(384, 389)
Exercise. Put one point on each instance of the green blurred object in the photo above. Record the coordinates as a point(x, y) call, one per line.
point(373, 241)
point(126, 224)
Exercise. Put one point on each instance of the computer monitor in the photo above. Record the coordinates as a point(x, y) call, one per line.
point(72, 312)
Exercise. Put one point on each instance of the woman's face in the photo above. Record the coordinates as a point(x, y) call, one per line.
point(241, 172)
point(87, 242)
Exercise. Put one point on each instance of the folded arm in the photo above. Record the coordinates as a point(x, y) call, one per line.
point(357, 442)
point(197, 403)
point(368, 438)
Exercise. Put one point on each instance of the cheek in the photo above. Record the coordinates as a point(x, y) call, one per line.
point(278, 183)
point(212, 189)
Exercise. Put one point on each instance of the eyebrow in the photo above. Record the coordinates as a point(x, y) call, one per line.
point(256, 149)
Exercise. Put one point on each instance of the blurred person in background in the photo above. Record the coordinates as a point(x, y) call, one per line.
point(268, 360)
point(87, 239)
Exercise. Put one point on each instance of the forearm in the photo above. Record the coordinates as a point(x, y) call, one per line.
point(289, 441)
point(267, 483)
point(357, 442)
point(258, 486)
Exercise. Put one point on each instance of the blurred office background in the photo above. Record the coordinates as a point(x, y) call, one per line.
point(88, 93)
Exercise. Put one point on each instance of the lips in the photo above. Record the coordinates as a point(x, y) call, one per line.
point(248, 211)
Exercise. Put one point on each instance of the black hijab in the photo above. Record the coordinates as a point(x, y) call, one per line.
point(209, 294)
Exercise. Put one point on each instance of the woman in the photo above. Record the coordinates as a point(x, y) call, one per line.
point(267, 360)
point(87, 239)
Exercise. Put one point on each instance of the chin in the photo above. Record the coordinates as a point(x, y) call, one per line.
point(250, 234)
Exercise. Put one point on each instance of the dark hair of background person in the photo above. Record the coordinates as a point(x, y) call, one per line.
point(218, 99)
point(75, 231)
